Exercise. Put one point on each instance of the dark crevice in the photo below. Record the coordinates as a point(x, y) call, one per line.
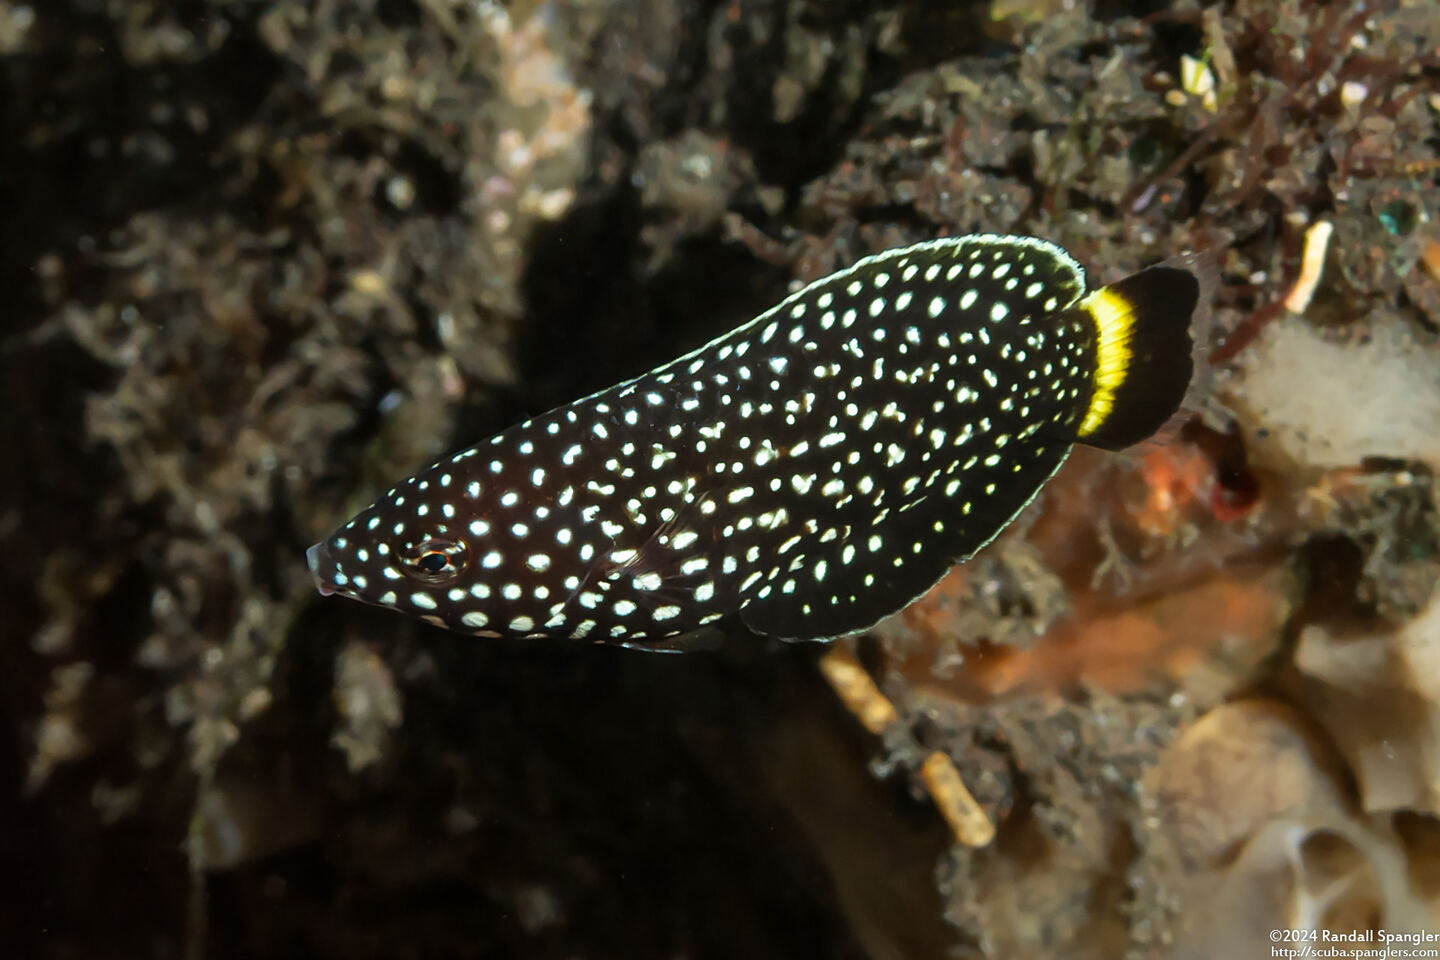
point(594, 317)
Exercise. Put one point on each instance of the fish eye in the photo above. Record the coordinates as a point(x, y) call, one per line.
point(436, 561)
point(433, 563)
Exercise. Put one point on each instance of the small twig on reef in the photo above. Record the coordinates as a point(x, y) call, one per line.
point(857, 690)
point(1430, 257)
point(1312, 262)
point(966, 818)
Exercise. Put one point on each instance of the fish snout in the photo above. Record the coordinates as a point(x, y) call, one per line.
point(317, 558)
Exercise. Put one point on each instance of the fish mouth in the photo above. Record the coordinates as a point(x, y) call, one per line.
point(314, 558)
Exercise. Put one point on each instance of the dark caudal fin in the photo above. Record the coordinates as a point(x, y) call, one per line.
point(1152, 329)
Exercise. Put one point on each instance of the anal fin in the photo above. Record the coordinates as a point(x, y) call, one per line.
point(877, 569)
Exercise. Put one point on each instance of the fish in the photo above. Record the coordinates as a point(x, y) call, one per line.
point(803, 476)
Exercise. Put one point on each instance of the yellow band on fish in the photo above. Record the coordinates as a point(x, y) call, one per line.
point(1114, 319)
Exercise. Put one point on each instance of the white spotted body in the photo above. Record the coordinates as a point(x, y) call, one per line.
point(809, 472)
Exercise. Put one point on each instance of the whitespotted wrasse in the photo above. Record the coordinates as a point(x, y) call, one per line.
point(806, 474)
